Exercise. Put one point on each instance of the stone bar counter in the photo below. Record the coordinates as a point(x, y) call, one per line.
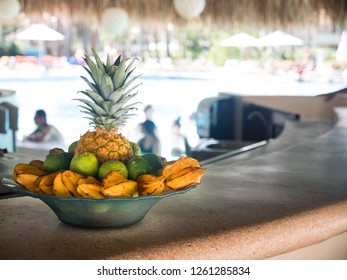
point(288, 195)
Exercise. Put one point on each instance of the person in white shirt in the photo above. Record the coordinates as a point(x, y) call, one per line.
point(44, 132)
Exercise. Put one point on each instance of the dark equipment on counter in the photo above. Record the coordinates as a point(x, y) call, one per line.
point(226, 123)
point(228, 118)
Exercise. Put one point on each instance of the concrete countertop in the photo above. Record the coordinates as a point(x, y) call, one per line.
point(256, 208)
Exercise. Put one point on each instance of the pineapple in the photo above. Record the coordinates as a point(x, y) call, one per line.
point(105, 107)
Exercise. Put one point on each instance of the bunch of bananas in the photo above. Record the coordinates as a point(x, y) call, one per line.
point(27, 174)
point(176, 175)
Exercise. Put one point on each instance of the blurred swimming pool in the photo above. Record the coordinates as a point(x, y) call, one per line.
point(170, 97)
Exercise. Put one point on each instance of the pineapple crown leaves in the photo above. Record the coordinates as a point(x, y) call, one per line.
point(108, 91)
point(108, 77)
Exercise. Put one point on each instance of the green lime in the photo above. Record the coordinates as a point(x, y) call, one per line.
point(137, 166)
point(112, 165)
point(136, 149)
point(72, 147)
point(154, 162)
point(85, 164)
point(55, 163)
point(69, 156)
point(56, 151)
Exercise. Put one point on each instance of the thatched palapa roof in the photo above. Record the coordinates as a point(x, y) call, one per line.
point(216, 12)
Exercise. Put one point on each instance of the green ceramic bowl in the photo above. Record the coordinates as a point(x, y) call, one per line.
point(88, 212)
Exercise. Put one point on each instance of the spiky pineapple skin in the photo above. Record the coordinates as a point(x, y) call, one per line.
point(105, 145)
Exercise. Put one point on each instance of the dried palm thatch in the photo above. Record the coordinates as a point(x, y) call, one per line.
point(217, 12)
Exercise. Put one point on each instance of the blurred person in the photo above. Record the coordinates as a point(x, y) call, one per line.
point(184, 135)
point(307, 66)
point(149, 143)
point(44, 132)
point(149, 114)
point(177, 139)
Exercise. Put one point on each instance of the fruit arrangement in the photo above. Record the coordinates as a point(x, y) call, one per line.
point(104, 163)
point(112, 178)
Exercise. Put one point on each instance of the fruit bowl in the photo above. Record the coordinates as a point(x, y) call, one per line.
point(88, 212)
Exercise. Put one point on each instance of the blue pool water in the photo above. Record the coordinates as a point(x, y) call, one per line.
point(170, 97)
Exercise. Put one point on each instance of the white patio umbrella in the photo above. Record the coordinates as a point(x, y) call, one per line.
point(279, 38)
point(40, 33)
point(240, 40)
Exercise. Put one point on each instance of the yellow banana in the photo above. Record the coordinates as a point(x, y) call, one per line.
point(70, 180)
point(27, 181)
point(126, 188)
point(45, 182)
point(27, 168)
point(59, 188)
point(90, 191)
point(24, 168)
point(115, 191)
point(88, 180)
point(21, 166)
